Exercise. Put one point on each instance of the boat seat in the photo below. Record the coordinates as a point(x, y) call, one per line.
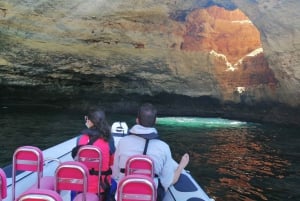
point(91, 156)
point(3, 188)
point(136, 188)
point(73, 176)
point(30, 158)
point(140, 164)
point(40, 195)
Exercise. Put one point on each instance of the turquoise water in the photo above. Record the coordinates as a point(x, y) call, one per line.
point(198, 122)
point(231, 160)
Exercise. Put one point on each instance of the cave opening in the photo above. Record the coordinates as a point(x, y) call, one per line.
point(233, 42)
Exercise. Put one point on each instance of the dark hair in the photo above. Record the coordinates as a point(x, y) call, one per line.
point(97, 116)
point(147, 115)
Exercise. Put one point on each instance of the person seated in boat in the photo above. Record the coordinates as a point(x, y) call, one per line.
point(98, 134)
point(143, 139)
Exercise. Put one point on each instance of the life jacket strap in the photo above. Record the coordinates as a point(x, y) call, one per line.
point(122, 170)
point(95, 172)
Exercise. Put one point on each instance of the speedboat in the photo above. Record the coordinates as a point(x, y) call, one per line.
point(186, 189)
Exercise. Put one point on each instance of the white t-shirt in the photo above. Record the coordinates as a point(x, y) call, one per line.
point(158, 150)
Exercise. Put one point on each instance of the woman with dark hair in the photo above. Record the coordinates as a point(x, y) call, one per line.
point(98, 133)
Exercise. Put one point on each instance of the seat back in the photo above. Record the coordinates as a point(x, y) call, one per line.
point(72, 175)
point(27, 158)
point(140, 164)
point(3, 183)
point(136, 188)
point(91, 156)
point(40, 195)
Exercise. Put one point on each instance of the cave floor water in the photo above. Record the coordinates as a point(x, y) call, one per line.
point(231, 160)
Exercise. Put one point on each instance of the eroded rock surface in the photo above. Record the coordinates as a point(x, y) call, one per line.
point(131, 50)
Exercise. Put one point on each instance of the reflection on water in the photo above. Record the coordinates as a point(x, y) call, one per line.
point(240, 160)
point(231, 160)
point(235, 160)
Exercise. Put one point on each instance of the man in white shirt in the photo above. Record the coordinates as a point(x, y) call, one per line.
point(167, 170)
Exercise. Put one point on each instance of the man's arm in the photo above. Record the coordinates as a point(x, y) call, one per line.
point(183, 163)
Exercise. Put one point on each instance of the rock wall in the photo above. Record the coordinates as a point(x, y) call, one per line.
point(114, 51)
point(279, 26)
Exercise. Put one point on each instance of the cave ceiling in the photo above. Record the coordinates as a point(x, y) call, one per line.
point(239, 51)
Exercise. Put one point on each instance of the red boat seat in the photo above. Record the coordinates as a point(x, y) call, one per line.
point(30, 158)
point(3, 188)
point(73, 176)
point(140, 164)
point(91, 156)
point(136, 188)
point(40, 195)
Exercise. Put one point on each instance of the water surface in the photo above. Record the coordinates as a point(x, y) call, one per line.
point(231, 160)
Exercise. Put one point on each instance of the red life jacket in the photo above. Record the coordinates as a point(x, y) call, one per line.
point(106, 163)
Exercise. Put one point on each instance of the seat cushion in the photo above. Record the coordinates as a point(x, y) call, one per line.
point(89, 197)
point(47, 182)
